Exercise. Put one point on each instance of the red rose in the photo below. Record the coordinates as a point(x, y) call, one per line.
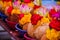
point(35, 18)
point(9, 10)
point(52, 12)
point(55, 24)
point(35, 7)
point(21, 16)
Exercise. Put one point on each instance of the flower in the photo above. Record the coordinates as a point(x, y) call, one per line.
point(25, 19)
point(27, 1)
point(49, 17)
point(44, 20)
point(6, 0)
point(52, 34)
point(57, 15)
point(31, 4)
point(16, 4)
point(21, 16)
point(41, 10)
point(7, 4)
point(25, 8)
point(52, 12)
point(37, 25)
point(35, 18)
point(55, 24)
point(9, 10)
point(1, 4)
point(15, 11)
point(35, 6)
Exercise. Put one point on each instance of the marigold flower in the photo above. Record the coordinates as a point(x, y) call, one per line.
point(31, 4)
point(52, 34)
point(25, 19)
point(15, 11)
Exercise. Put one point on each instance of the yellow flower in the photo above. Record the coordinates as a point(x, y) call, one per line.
point(15, 11)
point(59, 35)
point(25, 19)
point(49, 17)
point(52, 34)
point(37, 25)
point(9, 3)
point(36, 11)
point(5, 4)
point(44, 20)
point(31, 4)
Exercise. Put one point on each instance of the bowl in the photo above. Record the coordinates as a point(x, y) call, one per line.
point(10, 24)
point(27, 37)
point(20, 31)
point(3, 16)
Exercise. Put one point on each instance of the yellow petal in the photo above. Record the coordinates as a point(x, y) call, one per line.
point(15, 11)
point(25, 19)
point(1, 3)
point(52, 34)
point(31, 4)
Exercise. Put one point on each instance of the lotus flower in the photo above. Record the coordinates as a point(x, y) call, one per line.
point(41, 10)
point(16, 4)
point(25, 9)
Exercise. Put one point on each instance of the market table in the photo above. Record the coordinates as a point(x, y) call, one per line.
point(14, 34)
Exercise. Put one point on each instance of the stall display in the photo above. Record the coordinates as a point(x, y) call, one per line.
point(31, 19)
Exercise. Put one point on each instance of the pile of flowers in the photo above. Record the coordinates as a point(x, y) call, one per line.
point(39, 20)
